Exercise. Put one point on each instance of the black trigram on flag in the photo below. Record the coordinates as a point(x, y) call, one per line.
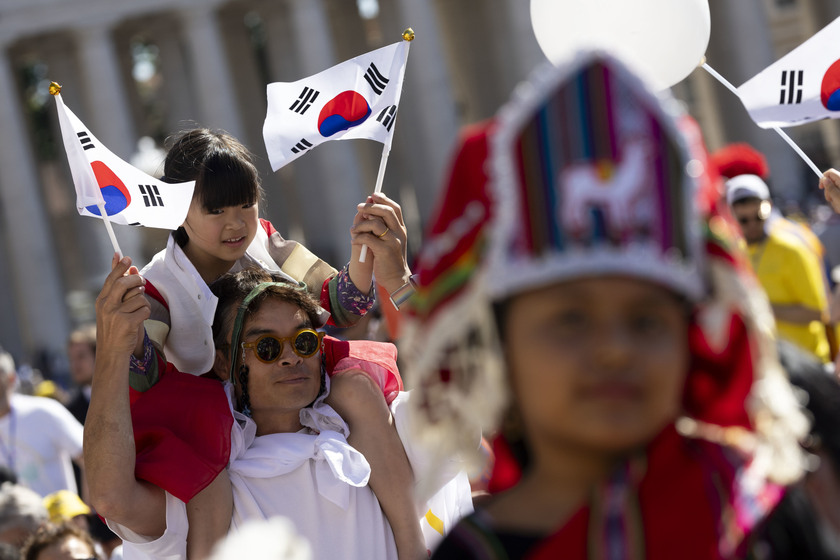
point(791, 87)
point(386, 117)
point(375, 79)
point(151, 196)
point(87, 143)
point(301, 146)
point(305, 100)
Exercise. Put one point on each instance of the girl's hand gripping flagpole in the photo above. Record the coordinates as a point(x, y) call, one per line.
point(87, 187)
point(778, 130)
point(408, 35)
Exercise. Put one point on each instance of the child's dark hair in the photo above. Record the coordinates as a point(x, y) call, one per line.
point(222, 168)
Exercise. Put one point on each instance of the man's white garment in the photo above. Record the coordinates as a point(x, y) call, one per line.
point(314, 478)
point(39, 439)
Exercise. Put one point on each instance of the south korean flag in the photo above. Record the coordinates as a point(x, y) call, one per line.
point(801, 87)
point(130, 196)
point(355, 99)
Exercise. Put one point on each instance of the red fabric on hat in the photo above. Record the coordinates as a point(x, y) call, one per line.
point(447, 247)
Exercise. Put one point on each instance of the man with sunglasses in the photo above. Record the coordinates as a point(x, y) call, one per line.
point(288, 451)
point(788, 270)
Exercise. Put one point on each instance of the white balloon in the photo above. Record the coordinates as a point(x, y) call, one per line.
point(663, 40)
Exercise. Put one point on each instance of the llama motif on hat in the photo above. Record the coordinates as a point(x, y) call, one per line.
point(590, 173)
point(609, 189)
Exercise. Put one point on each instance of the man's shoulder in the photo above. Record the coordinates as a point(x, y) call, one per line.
point(786, 242)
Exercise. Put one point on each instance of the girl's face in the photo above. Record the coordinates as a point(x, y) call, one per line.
point(597, 364)
point(221, 234)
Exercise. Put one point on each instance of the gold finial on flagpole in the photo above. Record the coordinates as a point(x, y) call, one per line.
point(55, 88)
point(408, 34)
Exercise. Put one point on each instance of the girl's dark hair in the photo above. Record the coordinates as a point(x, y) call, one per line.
point(222, 168)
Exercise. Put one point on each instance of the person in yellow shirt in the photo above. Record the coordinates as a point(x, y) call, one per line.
point(788, 270)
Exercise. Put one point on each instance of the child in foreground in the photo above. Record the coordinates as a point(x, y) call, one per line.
point(605, 329)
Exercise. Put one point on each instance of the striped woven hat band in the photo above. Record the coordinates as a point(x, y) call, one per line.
point(590, 176)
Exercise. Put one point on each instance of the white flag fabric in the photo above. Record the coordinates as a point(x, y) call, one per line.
point(355, 99)
point(801, 87)
point(131, 196)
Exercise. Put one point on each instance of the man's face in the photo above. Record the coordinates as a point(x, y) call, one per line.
point(751, 215)
point(279, 390)
point(82, 362)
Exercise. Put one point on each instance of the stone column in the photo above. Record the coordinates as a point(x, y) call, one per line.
point(520, 34)
point(739, 48)
point(706, 108)
point(339, 186)
point(108, 116)
point(209, 70)
point(428, 124)
point(180, 108)
point(814, 20)
point(41, 313)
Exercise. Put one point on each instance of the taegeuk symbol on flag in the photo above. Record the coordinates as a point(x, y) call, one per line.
point(131, 196)
point(803, 86)
point(355, 99)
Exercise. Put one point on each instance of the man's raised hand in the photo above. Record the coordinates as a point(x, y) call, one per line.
point(121, 308)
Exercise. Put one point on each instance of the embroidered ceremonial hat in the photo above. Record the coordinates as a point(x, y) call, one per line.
point(586, 173)
point(590, 175)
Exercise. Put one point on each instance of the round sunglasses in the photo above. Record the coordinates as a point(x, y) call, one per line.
point(268, 348)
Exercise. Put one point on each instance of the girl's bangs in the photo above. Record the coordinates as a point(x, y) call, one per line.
point(227, 181)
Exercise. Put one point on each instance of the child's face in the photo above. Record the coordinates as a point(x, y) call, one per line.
point(598, 364)
point(224, 233)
